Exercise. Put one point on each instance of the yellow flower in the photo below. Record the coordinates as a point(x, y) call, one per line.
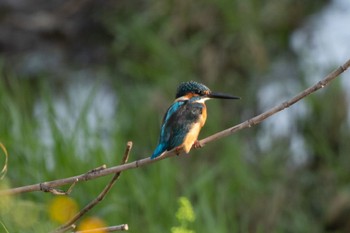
point(92, 223)
point(62, 208)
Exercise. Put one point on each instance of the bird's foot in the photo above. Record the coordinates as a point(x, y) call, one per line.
point(178, 150)
point(197, 144)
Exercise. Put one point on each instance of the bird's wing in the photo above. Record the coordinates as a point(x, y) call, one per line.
point(172, 110)
point(165, 132)
point(181, 123)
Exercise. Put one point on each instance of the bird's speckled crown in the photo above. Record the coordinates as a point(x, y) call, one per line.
point(191, 87)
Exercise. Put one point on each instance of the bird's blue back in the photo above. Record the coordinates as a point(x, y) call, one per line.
point(176, 124)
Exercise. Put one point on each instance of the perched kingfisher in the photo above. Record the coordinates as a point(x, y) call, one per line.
point(185, 117)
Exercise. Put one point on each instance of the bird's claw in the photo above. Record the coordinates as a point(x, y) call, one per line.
point(177, 150)
point(197, 144)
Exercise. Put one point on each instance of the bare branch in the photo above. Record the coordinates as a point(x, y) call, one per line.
point(123, 227)
point(54, 191)
point(99, 198)
point(142, 162)
point(257, 119)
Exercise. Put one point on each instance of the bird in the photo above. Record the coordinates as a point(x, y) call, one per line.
point(185, 118)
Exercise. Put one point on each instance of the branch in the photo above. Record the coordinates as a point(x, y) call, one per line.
point(259, 118)
point(142, 162)
point(123, 227)
point(99, 198)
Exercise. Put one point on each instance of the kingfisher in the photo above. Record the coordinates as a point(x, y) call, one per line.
point(185, 118)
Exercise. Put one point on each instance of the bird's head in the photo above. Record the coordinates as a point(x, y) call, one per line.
point(187, 90)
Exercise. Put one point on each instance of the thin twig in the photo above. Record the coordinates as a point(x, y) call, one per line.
point(123, 227)
point(99, 198)
point(259, 118)
point(142, 162)
point(45, 188)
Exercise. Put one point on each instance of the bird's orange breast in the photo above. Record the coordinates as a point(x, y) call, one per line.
point(193, 133)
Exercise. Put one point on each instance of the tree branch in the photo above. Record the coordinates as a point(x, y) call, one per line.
point(142, 162)
point(123, 227)
point(261, 117)
point(99, 198)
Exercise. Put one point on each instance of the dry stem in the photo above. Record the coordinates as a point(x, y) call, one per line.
point(98, 199)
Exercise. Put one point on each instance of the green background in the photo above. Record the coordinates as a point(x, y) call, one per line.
point(288, 174)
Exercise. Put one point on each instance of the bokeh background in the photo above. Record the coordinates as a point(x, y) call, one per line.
point(78, 79)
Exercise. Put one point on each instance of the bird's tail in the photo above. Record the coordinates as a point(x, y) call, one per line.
point(158, 151)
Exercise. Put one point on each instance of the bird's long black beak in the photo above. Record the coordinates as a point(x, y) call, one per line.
point(222, 96)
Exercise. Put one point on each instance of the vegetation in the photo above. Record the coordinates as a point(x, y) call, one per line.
point(255, 181)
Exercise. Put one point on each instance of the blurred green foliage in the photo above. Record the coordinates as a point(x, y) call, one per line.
point(185, 216)
point(234, 184)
